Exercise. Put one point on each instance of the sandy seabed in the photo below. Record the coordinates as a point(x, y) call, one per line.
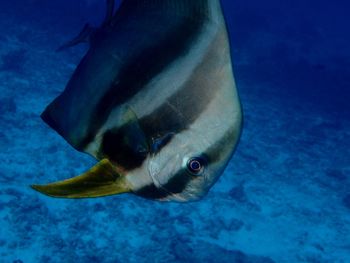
point(284, 197)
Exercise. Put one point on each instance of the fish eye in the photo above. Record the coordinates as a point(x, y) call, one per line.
point(195, 165)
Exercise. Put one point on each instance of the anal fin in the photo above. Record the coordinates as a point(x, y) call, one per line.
point(100, 180)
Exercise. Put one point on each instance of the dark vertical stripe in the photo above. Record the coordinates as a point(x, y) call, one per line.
point(176, 114)
point(118, 147)
point(141, 68)
point(175, 185)
point(220, 151)
point(152, 192)
point(182, 108)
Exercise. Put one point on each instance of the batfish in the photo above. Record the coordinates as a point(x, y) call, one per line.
point(153, 100)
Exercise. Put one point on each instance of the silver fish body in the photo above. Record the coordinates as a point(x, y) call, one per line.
point(154, 99)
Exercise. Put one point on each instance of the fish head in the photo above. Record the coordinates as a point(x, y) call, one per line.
point(186, 168)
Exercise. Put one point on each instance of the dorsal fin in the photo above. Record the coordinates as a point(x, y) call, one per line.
point(86, 33)
point(124, 58)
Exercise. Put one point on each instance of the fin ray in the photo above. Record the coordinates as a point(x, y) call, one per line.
point(83, 37)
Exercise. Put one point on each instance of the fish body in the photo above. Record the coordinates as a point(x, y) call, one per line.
point(154, 99)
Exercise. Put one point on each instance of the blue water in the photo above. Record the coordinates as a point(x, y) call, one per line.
point(285, 196)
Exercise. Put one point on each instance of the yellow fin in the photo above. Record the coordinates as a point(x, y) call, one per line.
point(100, 180)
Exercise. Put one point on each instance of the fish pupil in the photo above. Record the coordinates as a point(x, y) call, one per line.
point(195, 165)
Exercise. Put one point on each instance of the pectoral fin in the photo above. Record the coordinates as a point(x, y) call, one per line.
point(134, 135)
point(100, 180)
point(127, 145)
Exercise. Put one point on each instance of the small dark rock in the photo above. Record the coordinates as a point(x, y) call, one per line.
point(336, 174)
point(98, 208)
point(238, 193)
point(319, 247)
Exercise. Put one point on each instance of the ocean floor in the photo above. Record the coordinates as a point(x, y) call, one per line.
point(285, 196)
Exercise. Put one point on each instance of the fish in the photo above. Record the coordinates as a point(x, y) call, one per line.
point(154, 101)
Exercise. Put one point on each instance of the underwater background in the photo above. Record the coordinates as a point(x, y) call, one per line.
point(285, 195)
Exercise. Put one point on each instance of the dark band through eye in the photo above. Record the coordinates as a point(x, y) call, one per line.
point(195, 165)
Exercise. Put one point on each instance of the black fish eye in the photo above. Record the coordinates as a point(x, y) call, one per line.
point(195, 165)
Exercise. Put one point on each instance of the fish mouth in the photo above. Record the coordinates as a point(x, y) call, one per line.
point(101, 180)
